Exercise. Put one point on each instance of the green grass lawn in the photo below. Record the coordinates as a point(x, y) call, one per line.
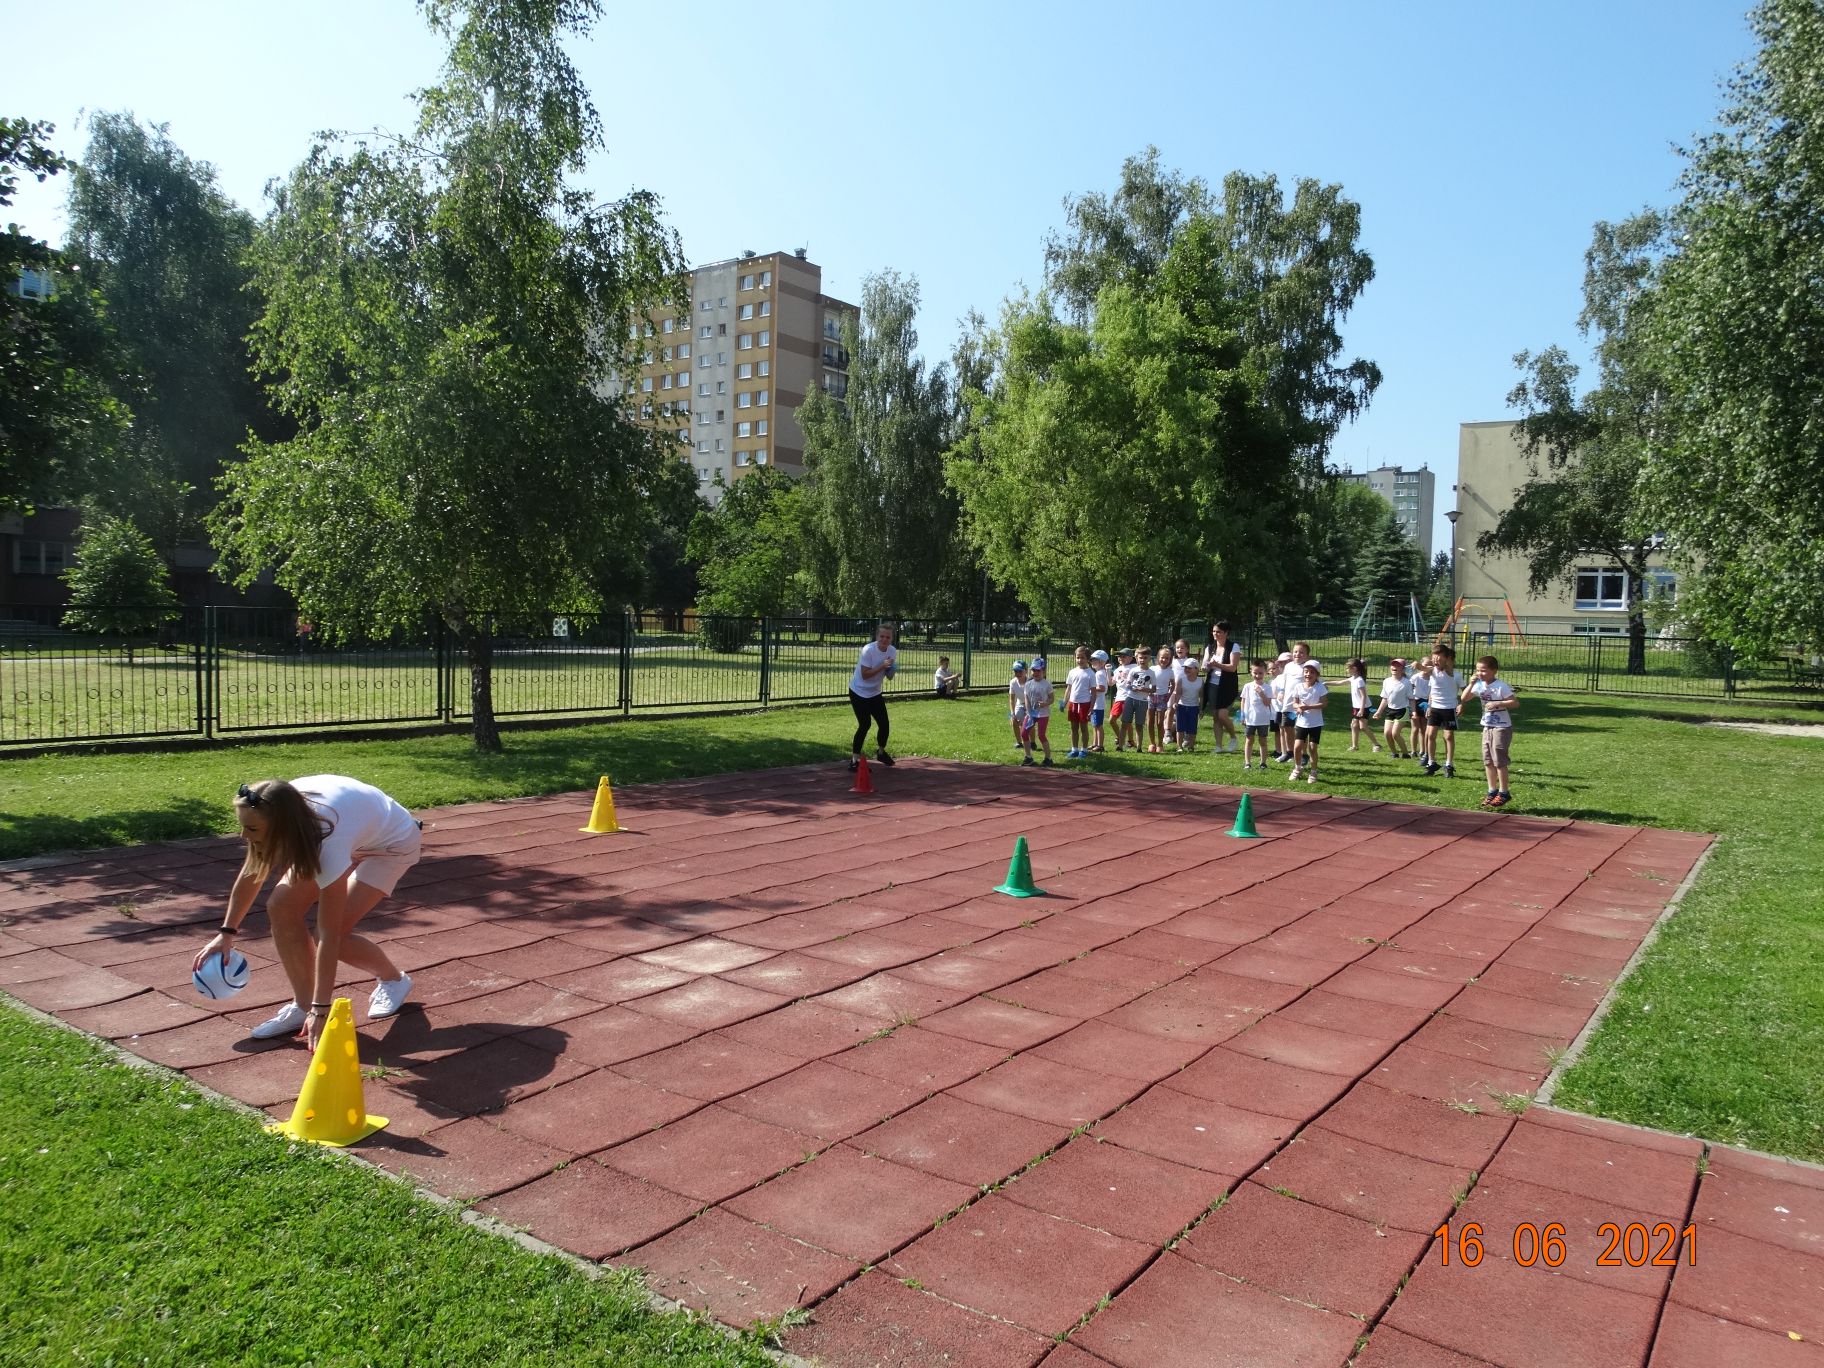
point(135, 1228)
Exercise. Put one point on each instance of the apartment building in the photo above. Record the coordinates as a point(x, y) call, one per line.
point(1592, 597)
point(1411, 492)
point(728, 379)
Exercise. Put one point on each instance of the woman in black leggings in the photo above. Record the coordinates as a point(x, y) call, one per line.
point(867, 694)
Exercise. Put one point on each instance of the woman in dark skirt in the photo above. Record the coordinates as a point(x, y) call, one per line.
point(1221, 685)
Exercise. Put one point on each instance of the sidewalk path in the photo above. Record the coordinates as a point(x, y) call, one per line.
point(780, 1046)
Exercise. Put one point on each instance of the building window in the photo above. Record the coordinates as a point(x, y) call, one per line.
point(744, 429)
point(702, 474)
point(760, 456)
point(721, 415)
point(646, 358)
point(766, 368)
point(718, 444)
point(1601, 590)
point(705, 332)
point(760, 428)
point(761, 399)
point(745, 399)
point(703, 390)
point(649, 330)
point(664, 353)
point(741, 458)
point(41, 557)
point(722, 302)
point(646, 384)
point(666, 383)
point(670, 323)
point(721, 358)
point(747, 282)
point(745, 342)
point(721, 330)
point(721, 387)
point(703, 447)
point(645, 410)
point(703, 417)
point(683, 350)
point(747, 312)
point(766, 279)
point(766, 308)
point(766, 338)
point(706, 306)
point(683, 410)
point(703, 361)
point(744, 371)
point(684, 380)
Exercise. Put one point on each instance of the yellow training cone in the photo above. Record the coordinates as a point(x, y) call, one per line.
point(601, 818)
point(330, 1110)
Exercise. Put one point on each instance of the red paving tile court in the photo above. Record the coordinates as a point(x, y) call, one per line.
point(782, 1047)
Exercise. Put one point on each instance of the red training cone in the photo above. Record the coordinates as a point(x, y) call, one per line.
point(864, 781)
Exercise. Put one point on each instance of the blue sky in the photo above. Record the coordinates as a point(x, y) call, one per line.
point(1482, 141)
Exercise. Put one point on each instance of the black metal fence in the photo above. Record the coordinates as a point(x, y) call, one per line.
point(230, 671)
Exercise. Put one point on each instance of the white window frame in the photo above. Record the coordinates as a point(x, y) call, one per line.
point(744, 371)
point(766, 308)
point(747, 312)
point(760, 456)
point(683, 351)
point(745, 342)
point(766, 280)
point(745, 399)
point(1610, 586)
point(747, 282)
point(645, 384)
point(741, 458)
point(670, 324)
point(766, 337)
point(763, 398)
point(760, 428)
point(744, 429)
point(766, 368)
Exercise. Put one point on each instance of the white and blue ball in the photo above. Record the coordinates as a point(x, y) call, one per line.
point(222, 976)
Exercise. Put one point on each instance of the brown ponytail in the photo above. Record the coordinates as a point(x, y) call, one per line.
point(293, 839)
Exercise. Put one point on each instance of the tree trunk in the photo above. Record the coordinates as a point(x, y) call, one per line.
point(481, 687)
point(1637, 618)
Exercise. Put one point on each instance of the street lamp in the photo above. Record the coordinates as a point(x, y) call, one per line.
point(1451, 517)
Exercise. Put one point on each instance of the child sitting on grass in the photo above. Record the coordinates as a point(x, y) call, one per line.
point(946, 682)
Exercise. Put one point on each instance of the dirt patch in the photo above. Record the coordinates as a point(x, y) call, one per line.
point(1813, 729)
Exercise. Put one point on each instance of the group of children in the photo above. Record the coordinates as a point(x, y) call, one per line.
point(1156, 707)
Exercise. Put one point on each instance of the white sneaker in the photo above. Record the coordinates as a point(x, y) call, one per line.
point(287, 1021)
point(388, 997)
point(1310, 776)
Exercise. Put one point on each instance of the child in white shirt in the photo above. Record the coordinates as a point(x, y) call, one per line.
point(1118, 714)
point(1140, 685)
point(1079, 698)
point(1016, 704)
point(1396, 698)
point(946, 682)
point(1420, 677)
point(1257, 714)
point(1187, 690)
point(1441, 715)
point(1038, 711)
point(1497, 697)
point(1308, 706)
point(1356, 677)
point(1098, 707)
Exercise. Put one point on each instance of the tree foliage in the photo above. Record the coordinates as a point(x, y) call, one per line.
point(59, 415)
point(1586, 452)
point(1736, 338)
point(883, 524)
point(152, 230)
point(1150, 461)
point(119, 584)
point(440, 312)
point(750, 548)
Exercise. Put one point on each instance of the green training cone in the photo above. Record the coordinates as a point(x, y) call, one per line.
point(1019, 874)
point(1244, 819)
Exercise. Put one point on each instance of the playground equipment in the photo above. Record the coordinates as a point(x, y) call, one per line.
point(1465, 606)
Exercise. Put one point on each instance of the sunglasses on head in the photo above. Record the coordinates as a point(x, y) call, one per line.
point(246, 793)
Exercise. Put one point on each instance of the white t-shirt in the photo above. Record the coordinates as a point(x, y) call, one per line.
point(1494, 691)
point(1123, 676)
point(1140, 682)
point(1396, 692)
point(1292, 677)
point(871, 656)
point(1310, 696)
point(1358, 691)
point(1446, 689)
point(1101, 698)
point(1256, 704)
point(1016, 696)
point(1080, 684)
point(365, 822)
point(1038, 697)
point(1190, 682)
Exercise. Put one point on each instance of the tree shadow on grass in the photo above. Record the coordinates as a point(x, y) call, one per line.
point(29, 833)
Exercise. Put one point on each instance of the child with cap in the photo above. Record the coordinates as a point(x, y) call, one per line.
point(1016, 704)
point(1099, 704)
point(1038, 711)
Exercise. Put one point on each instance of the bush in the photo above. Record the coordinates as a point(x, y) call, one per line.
point(725, 635)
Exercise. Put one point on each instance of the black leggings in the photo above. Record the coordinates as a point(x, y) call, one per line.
point(869, 710)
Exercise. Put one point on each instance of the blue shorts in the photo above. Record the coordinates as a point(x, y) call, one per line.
point(1095, 717)
point(1187, 719)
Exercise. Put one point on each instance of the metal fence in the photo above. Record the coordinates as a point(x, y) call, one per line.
point(231, 671)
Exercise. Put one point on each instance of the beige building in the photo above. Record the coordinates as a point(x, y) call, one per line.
point(1413, 494)
point(729, 378)
point(1491, 467)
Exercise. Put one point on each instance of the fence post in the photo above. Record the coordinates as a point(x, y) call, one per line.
point(628, 624)
point(968, 629)
point(205, 676)
point(1728, 671)
point(766, 661)
point(1595, 661)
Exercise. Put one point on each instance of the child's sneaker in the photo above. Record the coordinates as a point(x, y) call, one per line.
point(1310, 776)
point(883, 758)
point(1450, 771)
point(854, 763)
point(1029, 761)
point(1377, 750)
point(1045, 763)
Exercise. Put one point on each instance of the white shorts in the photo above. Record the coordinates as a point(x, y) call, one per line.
point(382, 870)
